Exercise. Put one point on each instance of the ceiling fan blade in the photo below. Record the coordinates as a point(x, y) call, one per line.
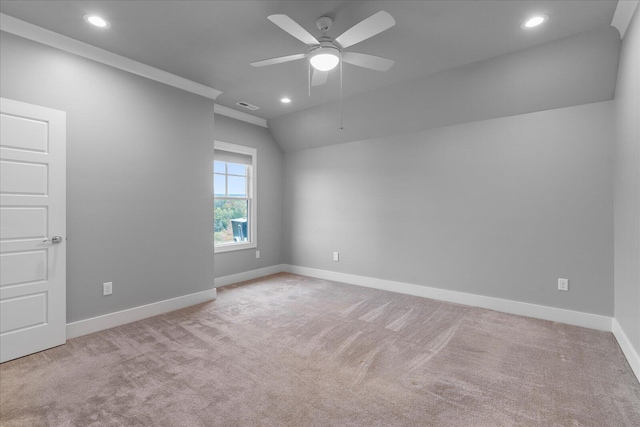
point(319, 77)
point(371, 26)
point(278, 60)
point(293, 28)
point(367, 61)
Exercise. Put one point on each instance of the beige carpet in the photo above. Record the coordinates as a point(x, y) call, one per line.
point(294, 351)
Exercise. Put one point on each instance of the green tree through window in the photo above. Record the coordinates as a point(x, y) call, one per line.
point(225, 211)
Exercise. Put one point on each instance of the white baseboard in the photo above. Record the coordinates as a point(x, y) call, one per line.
point(577, 318)
point(630, 353)
point(111, 320)
point(248, 275)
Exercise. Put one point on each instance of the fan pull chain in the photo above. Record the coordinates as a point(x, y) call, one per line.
point(341, 128)
point(309, 64)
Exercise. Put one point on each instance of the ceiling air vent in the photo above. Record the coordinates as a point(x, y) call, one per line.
point(247, 106)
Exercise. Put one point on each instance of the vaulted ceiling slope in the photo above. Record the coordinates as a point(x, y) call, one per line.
point(576, 70)
point(455, 61)
point(213, 42)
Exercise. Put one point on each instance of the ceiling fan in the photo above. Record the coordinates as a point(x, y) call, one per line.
point(326, 53)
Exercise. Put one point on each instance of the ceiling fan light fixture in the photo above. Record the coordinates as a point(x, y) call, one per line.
point(324, 58)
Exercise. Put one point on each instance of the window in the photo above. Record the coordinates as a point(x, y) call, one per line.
point(234, 197)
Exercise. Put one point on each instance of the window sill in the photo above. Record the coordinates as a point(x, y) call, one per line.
point(231, 247)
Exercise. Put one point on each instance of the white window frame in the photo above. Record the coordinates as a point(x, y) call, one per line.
point(252, 197)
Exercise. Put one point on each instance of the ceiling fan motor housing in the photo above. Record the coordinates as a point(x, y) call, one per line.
point(325, 43)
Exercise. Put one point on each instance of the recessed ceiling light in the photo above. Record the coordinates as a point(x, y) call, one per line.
point(97, 21)
point(535, 21)
point(285, 100)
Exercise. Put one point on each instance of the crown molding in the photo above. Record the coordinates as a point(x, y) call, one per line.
point(623, 14)
point(41, 35)
point(239, 115)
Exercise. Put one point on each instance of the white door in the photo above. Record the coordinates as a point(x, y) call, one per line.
point(32, 228)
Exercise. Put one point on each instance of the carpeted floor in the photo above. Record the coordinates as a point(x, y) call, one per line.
point(294, 351)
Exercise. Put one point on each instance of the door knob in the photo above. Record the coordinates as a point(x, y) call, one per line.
point(55, 240)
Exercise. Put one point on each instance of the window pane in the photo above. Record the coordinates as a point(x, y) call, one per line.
point(234, 224)
point(236, 169)
point(218, 166)
point(237, 186)
point(231, 221)
point(218, 185)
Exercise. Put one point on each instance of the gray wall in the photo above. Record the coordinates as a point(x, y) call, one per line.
point(501, 207)
point(576, 70)
point(270, 197)
point(139, 186)
point(627, 186)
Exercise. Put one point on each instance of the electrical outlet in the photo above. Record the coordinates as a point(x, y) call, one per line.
point(336, 256)
point(107, 288)
point(563, 285)
point(257, 254)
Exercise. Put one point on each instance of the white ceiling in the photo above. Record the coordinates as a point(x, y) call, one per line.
point(213, 42)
